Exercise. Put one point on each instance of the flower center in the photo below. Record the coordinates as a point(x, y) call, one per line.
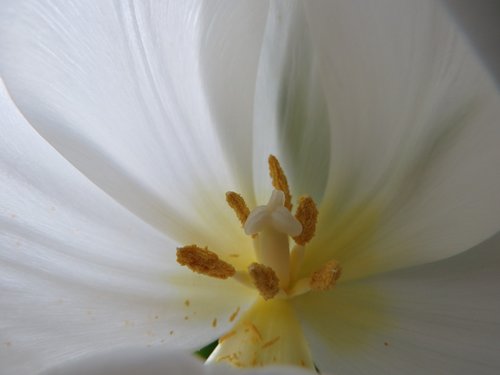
point(274, 274)
point(271, 226)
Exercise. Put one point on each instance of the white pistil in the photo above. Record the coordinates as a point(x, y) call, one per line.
point(274, 225)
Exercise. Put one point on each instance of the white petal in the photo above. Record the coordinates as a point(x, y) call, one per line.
point(414, 134)
point(231, 47)
point(132, 361)
point(79, 272)
point(116, 88)
point(440, 318)
point(155, 361)
point(479, 21)
point(290, 114)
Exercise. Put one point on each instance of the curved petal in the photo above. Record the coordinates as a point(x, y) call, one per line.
point(155, 361)
point(79, 272)
point(414, 135)
point(132, 361)
point(115, 87)
point(479, 21)
point(290, 114)
point(439, 318)
point(229, 56)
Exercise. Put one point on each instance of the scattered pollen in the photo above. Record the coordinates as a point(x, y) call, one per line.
point(307, 215)
point(326, 277)
point(233, 358)
point(279, 180)
point(386, 343)
point(186, 317)
point(171, 333)
point(256, 331)
point(270, 342)
point(214, 322)
point(226, 336)
point(204, 261)
point(233, 315)
point(237, 203)
point(187, 302)
point(265, 280)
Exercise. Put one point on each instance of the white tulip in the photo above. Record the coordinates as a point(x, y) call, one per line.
point(124, 123)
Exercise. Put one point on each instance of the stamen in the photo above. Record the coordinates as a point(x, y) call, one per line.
point(265, 280)
point(326, 277)
point(204, 261)
point(300, 287)
point(237, 203)
point(279, 180)
point(296, 258)
point(307, 215)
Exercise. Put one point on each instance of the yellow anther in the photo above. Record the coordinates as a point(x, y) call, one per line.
point(307, 215)
point(237, 203)
point(279, 180)
point(265, 280)
point(204, 261)
point(326, 277)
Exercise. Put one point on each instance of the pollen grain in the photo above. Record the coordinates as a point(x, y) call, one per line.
point(237, 203)
point(226, 336)
point(255, 330)
point(279, 180)
point(307, 215)
point(234, 314)
point(326, 277)
point(265, 280)
point(204, 261)
point(270, 342)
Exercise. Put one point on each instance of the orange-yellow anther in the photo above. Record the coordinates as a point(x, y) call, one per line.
point(326, 277)
point(237, 203)
point(307, 215)
point(279, 180)
point(265, 280)
point(204, 261)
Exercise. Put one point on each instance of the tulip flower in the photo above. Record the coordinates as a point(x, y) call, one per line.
point(305, 182)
